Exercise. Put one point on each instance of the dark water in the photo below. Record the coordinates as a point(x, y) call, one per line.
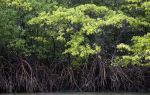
point(82, 94)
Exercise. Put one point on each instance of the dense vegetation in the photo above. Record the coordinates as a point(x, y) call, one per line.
point(74, 45)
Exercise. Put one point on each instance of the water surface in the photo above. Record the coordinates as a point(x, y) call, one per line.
point(82, 94)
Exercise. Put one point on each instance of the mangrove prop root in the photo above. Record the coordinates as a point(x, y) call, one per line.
point(97, 76)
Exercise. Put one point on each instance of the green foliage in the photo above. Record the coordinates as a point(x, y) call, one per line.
point(140, 52)
point(8, 28)
point(123, 46)
point(77, 30)
point(77, 25)
point(20, 4)
point(26, 40)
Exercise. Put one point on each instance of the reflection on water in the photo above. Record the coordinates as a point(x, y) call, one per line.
point(83, 94)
